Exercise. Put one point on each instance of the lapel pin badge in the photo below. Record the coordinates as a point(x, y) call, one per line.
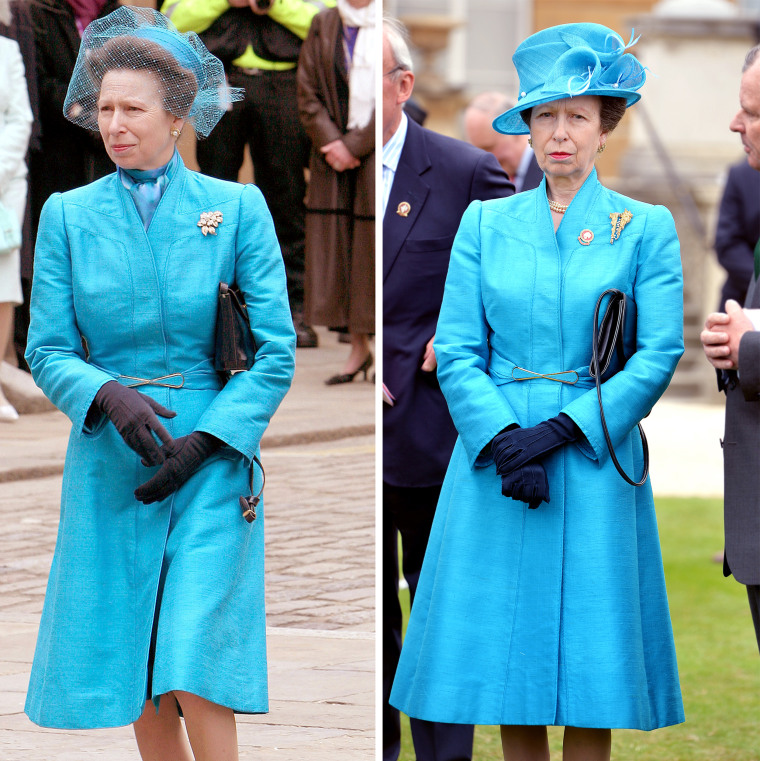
point(403, 209)
point(209, 221)
point(585, 237)
point(619, 221)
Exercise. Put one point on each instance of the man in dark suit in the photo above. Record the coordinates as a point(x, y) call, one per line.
point(511, 151)
point(731, 341)
point(428, 181)
point(738, 230)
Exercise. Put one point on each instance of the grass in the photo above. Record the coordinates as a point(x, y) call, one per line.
point(717, 654)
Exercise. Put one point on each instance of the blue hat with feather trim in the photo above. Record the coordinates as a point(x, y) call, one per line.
point(569, 60)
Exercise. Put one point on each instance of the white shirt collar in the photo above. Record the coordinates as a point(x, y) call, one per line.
point(391, 154)
point(392, 149)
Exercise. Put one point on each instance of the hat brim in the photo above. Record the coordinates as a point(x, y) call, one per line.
point(511, 123)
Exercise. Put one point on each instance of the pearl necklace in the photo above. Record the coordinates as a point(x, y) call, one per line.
point(560, 208)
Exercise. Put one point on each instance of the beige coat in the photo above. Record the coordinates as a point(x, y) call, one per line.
point(15, 127)
point(340, 206)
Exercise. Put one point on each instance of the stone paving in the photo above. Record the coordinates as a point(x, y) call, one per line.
point(320, 535)
point(320, 605)
point(320, 564)
point(684, 448)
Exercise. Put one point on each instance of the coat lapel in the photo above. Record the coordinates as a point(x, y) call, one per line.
point(408, 187)
point(752, 301)
point(533, 175)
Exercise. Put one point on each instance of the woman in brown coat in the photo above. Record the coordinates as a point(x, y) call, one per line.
point(336, 104)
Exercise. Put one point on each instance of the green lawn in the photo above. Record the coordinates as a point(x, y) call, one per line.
point(717, 654)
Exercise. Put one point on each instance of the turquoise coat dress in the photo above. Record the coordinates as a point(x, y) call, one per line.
point(558, 615)
point(144, 599)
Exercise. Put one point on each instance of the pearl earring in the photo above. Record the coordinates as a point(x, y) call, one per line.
point(175, 132)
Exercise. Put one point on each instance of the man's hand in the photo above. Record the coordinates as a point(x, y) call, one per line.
point(339, 157)
point(429, 362)
point(722, 335)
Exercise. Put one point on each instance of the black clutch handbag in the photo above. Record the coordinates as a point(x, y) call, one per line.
point(613, 343)
point(235, 351)
point(235, 348)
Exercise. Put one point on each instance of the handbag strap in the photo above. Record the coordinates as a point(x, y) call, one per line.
point(248, 504)
point(238, 304)
point(597, 378)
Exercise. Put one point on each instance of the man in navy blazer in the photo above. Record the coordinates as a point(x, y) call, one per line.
point(731, 341)
point(428, 182)
point(738, 230)
point(511, 151)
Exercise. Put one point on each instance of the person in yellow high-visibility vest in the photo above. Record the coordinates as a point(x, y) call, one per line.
point(259, 47)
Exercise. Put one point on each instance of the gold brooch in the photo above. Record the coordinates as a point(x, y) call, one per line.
point(209, 221)
point(403, 209)
point(619, 221)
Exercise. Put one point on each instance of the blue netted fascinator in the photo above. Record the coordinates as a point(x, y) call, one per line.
point(192, 79)
point(568, 60)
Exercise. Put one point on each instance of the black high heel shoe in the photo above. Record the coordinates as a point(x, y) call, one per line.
point(348, 377)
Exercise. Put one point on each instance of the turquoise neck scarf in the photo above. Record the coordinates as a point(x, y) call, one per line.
point(146, 186)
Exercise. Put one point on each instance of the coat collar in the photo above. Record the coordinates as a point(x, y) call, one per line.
point(410, 187)
point(175, 172)
point(578, 210)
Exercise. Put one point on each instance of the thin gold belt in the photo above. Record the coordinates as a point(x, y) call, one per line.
point(531, 375)
point(160, 381)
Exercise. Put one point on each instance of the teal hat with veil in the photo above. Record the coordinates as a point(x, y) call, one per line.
point(570, 60)
point(192, 80)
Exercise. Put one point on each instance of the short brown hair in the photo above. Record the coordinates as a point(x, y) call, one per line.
point(611, 110)
point(179, 85)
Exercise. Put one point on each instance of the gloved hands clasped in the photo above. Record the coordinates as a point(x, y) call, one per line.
point(183, 457)
point(516, 453)
point(527, 484)
point(135, 417)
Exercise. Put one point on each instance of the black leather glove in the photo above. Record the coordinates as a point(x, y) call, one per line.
point(513, 449)
point(527, 484)
point(183, 457)
point(134, 415)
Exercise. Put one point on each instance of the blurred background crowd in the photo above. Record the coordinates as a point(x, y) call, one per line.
point(285, 133)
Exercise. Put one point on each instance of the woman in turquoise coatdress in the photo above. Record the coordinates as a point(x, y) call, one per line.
point(555, 615)
point(156, 591)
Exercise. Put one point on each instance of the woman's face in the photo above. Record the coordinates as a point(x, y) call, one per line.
point(134, 126)
point(566, 135)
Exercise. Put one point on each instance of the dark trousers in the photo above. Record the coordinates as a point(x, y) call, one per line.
point(410, 511)
point(267, 121)
point(21, 323)
point(753, 593)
